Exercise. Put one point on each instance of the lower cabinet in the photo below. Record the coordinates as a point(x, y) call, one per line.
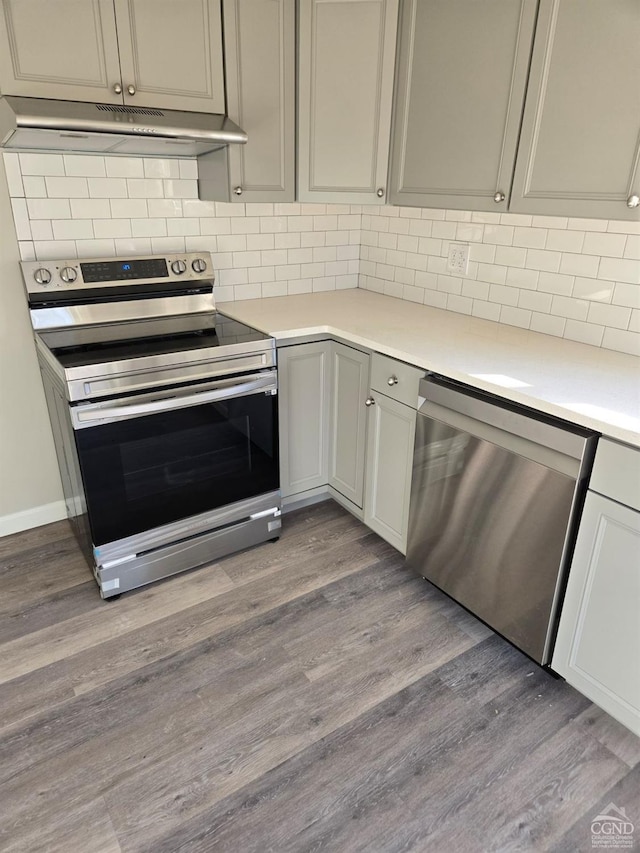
point(348, 421)
point(598, 640)
point(335, 433)
point(304, 374)
point(391, 433)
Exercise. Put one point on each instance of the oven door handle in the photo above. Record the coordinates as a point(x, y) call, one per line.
point(230, 389)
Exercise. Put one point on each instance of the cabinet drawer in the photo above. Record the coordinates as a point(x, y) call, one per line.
point(616, 473)
point(385, 370)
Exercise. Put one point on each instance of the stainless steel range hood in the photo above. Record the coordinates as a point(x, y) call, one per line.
point(50, 125)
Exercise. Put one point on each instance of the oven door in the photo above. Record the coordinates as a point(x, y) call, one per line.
point(154, 459)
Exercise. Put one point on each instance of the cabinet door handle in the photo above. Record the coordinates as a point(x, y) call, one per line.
point(380, 192)
point(392, 380)
point(131, 89)
point(369, 402)
point(238, 190)
point(117, 89)
point(633, 201)
point(498, 197)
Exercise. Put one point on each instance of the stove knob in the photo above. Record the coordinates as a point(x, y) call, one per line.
point(68, 275)
point(42, 276)
point(178, 267)
point(199, 265)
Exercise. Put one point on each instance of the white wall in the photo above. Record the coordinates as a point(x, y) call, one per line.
point(30, 490)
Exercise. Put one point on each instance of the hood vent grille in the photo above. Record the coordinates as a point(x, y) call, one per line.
point(131, 111)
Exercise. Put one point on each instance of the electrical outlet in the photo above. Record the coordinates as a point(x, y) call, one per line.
point(458, 260)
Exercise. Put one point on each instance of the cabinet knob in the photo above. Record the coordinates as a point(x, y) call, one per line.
point(380, 192)
point(392, 380)
point(498, 197)
point(117, 89)
point(237, 190)
point(369, 402)
point(131, 89)
point(633, 201)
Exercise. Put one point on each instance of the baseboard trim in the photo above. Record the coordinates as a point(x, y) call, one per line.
point(34, 517)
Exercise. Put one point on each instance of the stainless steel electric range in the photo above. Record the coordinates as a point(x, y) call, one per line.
point(164, 414)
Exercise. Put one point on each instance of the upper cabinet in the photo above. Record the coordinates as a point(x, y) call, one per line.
point(39, 58)
point(154, 53)
point(345, 85)
point(260, 69)
point(171, 54)
point(580, 143)
point(462, 74)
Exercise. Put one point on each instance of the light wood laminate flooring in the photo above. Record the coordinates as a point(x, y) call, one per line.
point(307, 695)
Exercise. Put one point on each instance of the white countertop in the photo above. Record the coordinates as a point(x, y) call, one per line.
point(586, 385)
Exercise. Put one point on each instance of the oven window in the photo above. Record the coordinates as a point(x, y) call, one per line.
point(148, 471)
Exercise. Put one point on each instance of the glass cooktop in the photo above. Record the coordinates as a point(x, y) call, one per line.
point(82, 345)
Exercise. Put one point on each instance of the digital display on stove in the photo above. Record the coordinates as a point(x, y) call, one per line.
point(124, 270)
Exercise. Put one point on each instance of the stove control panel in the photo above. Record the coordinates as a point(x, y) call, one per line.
point(49, 276)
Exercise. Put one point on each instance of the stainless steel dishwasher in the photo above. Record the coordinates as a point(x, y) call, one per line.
point(496, 493)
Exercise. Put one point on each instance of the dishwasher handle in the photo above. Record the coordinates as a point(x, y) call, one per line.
point(479, 406)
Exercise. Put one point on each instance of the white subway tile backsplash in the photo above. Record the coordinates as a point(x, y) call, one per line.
point(41, 229)
point(73, 229)
point(620, 269)
point(14, 175)
point(67, 187)
point(49, 208)
point(145, 188)
point(128, 208)
point(54, 250)
point(34, 186)
point(584, 333)
point(566, 277)
point(593, 289)
point(567, 306)
point(547, 323)
point(111, 228)
point(90, 208)
point(84, 165)
point(596, 243)
point(27, 250)
point(543, 260)
point(124, 167)
point(614, 316)
point(632, 247)
point(102, 248)
point(107, 187)
point(573, 264)
point(41, 164)
point(626, 294)
point(149, 227)
point(158, 167)
point(622, 341)
point(560, 240)
point(21, 218)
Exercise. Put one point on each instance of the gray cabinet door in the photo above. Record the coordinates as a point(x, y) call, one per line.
point(260, 68)
point(390, 439)
point(599, 633)
point(580, 142)
point(59, 49)
point(346, 66)
point(462, 73)
point(347, 423)
point(304, 390)
point(171, 54)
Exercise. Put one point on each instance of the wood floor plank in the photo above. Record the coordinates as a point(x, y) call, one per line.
point(312, 695)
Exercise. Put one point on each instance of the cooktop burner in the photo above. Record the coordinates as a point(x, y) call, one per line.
point(76, 346)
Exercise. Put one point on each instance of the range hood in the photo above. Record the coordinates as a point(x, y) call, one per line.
point(51, 125)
